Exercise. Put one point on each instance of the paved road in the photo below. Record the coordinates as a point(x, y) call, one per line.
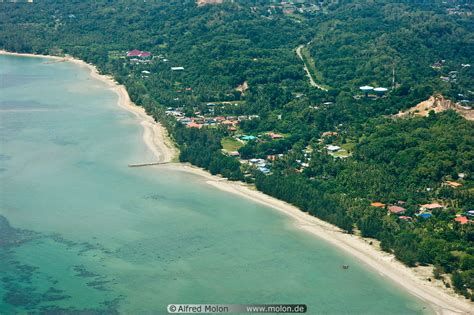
point(311, 80)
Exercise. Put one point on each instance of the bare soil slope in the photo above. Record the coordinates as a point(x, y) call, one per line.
point(437, 103)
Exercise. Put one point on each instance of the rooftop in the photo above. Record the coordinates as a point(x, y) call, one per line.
point(396, 209)
point(377, 204)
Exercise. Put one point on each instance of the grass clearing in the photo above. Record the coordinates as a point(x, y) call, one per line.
point(230, 144)
point(349, 146)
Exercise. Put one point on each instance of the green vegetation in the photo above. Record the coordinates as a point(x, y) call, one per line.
point(310, 63)
point(230, 144)
point(394, 161)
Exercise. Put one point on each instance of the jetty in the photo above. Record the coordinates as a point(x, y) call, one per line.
point(146, 164)
point(55, 61)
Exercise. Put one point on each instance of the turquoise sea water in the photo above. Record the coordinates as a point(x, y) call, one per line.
point(87, 233)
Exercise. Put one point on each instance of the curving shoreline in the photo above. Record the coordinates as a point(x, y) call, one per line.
point(155, 135)
point(442, 300)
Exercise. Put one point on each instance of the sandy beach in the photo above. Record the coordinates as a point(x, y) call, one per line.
point(413, 280)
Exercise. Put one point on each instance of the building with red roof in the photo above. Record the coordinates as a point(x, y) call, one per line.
point(145, 54)
point(462, 220)
point(133, 53)
point(396, 209)
point(139, 53)
point(275, 135)
point(194, 125)
point(377, 204)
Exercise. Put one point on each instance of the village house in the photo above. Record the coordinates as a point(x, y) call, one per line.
point(271, 157)
point(396, 210)
point(453, 184)
point(139, 54)
point(333, 148)
point(329, 134)
point(377, 204)
point(192, 124)
point(462, 220)
point(248, 138)
point(437, 65)
point(430, 207)
point(275, 136)
point(425, 215)
point(210, 121)
point(185, 120)
point(229, 123)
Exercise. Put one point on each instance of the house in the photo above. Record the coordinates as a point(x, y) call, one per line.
point(248, 138)
point(133, 53)
point(234, 153)
point(177, 68)
point(431, 207)
point(260, 162)
point(194, 125)
point(275, 136)
point(220, 118)
point(425, 215)
point(396, 210)
point(145, 54)
point(185, 120)
point(377, 204)
point(271, 157)
point(228, 122)
point(462, 220)
point(406, 218)
point(453, 184)
point(138, 53)
point(333, 148)
point(329, 134)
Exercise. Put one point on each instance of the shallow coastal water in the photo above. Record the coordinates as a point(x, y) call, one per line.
point(85, 232)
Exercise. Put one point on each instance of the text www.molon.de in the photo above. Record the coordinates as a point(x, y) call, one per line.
point(236, 308)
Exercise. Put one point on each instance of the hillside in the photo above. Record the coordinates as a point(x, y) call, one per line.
point(437, 104)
